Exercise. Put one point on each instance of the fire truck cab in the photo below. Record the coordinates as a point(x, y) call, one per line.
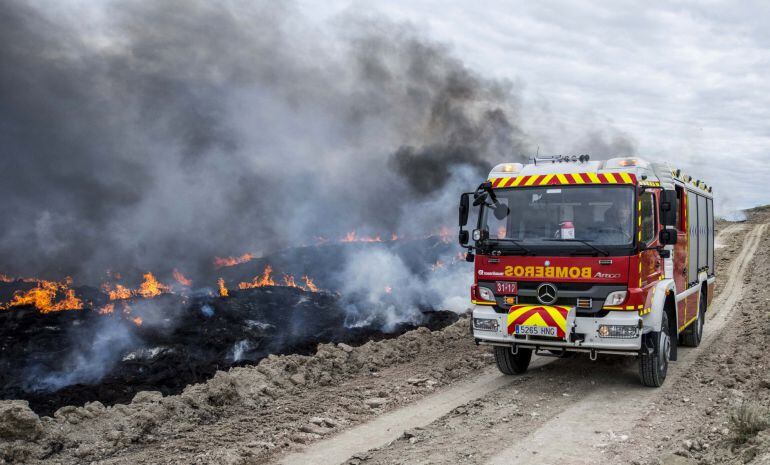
point(603, 257)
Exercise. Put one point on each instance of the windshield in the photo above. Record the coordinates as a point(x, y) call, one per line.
point(601, 215)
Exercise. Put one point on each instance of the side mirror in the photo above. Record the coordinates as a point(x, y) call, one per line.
point(667, 236)
point(464, 209)
point(464, 236)
point(668, 208)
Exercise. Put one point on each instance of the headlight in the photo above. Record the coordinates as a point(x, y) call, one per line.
point(485, 324)
point(615, 298)
point(477, 234)
point(486, 294)
point(618, 331)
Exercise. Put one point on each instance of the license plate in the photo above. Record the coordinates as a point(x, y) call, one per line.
point(531, 330)
point(506, 287)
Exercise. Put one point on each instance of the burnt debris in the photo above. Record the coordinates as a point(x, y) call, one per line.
point(179, 341)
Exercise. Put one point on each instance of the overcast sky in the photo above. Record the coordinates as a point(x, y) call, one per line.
point(687, 82)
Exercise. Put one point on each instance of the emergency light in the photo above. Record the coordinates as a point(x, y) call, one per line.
point(625, 163)
point(508, 168)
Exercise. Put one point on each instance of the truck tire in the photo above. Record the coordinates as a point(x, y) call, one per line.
point(692, 336)
point(654, 366)
point(512, 364)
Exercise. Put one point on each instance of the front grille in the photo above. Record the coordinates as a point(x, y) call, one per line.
point(532, 300)
point(532, 285)
point(590, 294)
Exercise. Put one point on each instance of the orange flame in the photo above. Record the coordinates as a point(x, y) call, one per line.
point(137, 320)
point(232, 261)
point(260, 281)
point(151, 287)
point(223, 292)
point(353, 237)
point(107, 309)
point(5, 278)
point(309, 284)
point(394, 237)
point(266, 279)
point(181, 279)
point(118, 293)
point(437, 265)
point(43, 297)
point(288, 280)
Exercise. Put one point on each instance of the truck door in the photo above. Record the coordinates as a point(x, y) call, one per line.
point(651, 268)
point(681, 251)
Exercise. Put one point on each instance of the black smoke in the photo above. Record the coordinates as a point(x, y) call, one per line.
point(149, 135)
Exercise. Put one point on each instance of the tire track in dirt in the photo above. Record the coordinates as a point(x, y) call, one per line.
point(730, 229)
point(570, 436)
point(390, 426)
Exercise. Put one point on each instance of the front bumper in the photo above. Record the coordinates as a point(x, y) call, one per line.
point(582, 332)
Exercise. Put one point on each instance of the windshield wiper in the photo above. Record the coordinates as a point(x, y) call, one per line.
point(514, 242)
point(588, 243)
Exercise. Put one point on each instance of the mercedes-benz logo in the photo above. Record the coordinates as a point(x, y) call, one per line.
point(546, 293)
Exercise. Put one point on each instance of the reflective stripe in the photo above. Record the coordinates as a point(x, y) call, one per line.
point(531, 180)
point(564, 179)
point(688, 323)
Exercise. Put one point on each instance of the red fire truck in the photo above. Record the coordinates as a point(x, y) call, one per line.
point(603, 257)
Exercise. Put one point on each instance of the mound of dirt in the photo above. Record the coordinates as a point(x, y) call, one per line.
point(93, 431)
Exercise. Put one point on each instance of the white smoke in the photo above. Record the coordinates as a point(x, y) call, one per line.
point(239, 349)
point(380, 290)
point(92, 357)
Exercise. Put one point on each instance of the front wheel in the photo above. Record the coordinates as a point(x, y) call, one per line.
point(653, 365)
point(512, 364)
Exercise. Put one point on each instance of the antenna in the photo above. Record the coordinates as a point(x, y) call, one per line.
point(562, 158)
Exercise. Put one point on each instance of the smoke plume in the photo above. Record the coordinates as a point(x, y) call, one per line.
point(151, 135)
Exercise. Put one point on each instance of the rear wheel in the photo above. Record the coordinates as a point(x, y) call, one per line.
point(512, 364)
point(692, 336)
point(653, 365)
